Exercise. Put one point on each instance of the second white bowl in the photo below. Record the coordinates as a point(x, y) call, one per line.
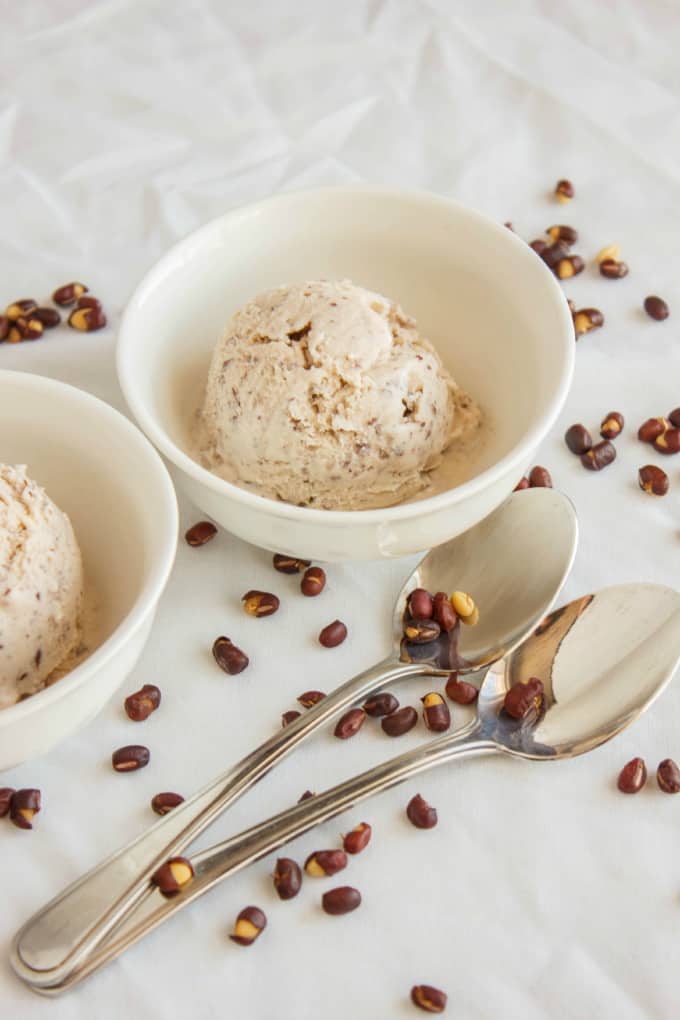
point(100, 469)
point(493, 310)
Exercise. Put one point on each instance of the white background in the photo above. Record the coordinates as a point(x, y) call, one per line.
point(125, 125)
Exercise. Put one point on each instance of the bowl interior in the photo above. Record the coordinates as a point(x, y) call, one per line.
point(477, 291)
point(94, 466)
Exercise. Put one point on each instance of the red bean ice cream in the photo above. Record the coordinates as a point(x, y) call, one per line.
point(324, 394)
point(41, 586)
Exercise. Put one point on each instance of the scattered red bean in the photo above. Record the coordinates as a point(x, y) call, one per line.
point(632, 776)
point(656, 308)
point(341, 900)
point(250, 924)
point(333, 635)
point(420, 813)
point(140, 704)
point(200, 533)
point(228, 657)
point(163, 803)
point(350, 724)
point(668, 776)
point(357, 839)
point(429, 999)
point(313, 581)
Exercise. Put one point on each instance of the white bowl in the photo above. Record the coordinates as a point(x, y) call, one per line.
point(493, 310)
point(100, 469)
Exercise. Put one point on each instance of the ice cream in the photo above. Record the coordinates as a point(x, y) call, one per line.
point(41, 586)
point(324, 394)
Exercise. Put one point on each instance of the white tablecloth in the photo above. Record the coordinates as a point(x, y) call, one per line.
point(542, 892)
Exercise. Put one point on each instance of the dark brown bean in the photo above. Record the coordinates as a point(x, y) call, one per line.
point(6, 794)
point(350, 723)
point(523, 698)
point(523, 483)
point(305, 796)
point(24, 805)
point(200, 533)
point(20, 308)
point(228, 657)
point(539, 246)
point(443, 612)
point(420, 604)
point(288, 717)
point(612, 269)
point(29, 328)
point(587, 319)
point(421, 632)
point(313, 581)
point(260, 603)
point(674, 418)
point(612, 425)
point(436, 715)
point(554, 253)
point(89, 302)
point(130, 758)
point(173, 875)
point(429, 999)
point(49, 317)
point(539, 478)
point(87, 320)
point(357, 839)
point(68, 294)
point(599, 456)
point(333, 635)
point(656, 308)
point(562, 232)
point(460, 691)
point(287, 878)
point(651, 429)
point(668, 442)
point(399, 722)
point(249, 925)
point(420, 813)
point(653, 480)
point(632, 776)
point(564, 190)
point(578, 439)
point(289, 564)
point(323, 863)
point(142, 703)
point(163, 803)
point(570, 266)
point(668, 776)
point(4, 327)
point(341, 900)
point(381, 704)
point(311, 698)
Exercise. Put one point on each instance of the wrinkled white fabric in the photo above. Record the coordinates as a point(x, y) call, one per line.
point(542, 892)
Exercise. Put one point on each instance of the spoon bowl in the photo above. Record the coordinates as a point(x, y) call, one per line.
point(496, 562)
point(602, 658)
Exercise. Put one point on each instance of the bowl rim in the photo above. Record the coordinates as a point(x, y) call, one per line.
point(156, 573)
point(126, 365)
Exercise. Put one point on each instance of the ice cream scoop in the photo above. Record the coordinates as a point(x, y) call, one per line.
point(324, 394)
point(41, 586)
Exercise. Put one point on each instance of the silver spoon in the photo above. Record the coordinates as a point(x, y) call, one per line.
point(514, 562)
point(603, 659)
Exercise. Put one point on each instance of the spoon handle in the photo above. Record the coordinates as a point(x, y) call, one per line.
point(63, 932)
point(226, 858)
